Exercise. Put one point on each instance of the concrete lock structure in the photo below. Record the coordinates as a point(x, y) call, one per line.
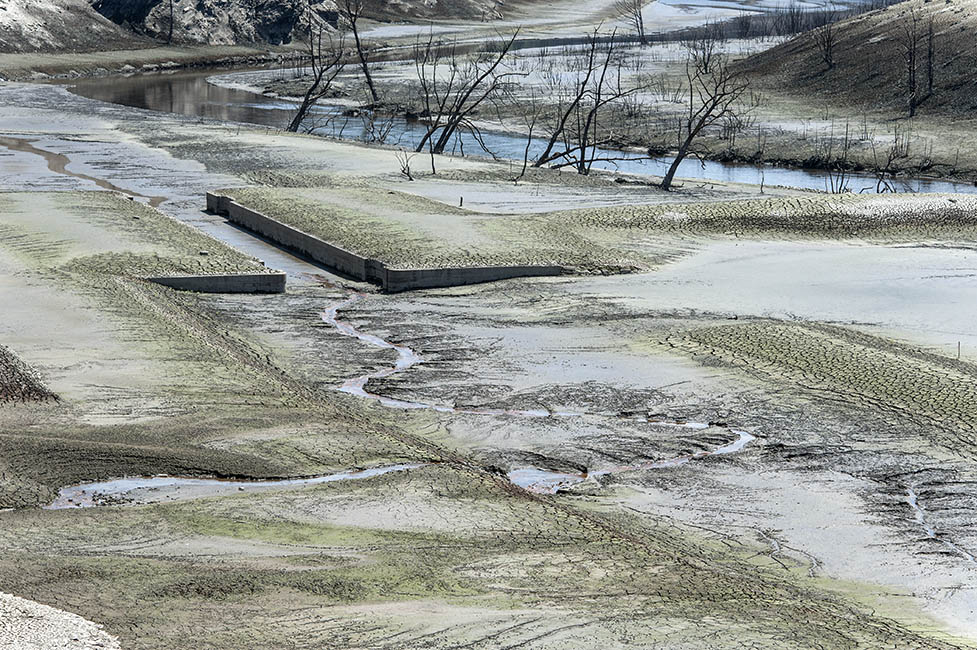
point(391, 280)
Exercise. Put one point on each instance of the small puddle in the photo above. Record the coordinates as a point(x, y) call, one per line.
point(58, 163)
point(530, 478)
point(161, 488)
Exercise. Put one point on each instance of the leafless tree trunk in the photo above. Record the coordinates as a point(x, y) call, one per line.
point(909, 38)
point(169, 35)
point(326, 60)
point(632, 12)
point(883, 165)
point(930, 55)
point(350, 13)
point(453, 86)
point(706, 48)
point(715, 92)
point(825, 37)
point(574, 137)
point(838, 172)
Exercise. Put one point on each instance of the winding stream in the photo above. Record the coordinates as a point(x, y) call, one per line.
point(58, 163)
point(913, 499)
point(530, 478)
point(160, 488)
point(191, 93)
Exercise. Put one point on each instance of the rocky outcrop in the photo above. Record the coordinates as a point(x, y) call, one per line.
point(215, 22)
point(90, 25)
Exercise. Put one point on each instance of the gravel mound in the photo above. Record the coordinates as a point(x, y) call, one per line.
point(26, 625)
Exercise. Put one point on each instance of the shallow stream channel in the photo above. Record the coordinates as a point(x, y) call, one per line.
point(196, 94)
point(143, 490)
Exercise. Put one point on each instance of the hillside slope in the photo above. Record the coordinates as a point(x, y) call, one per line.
point(53, 25)
point(86, 25)
point(870, 69)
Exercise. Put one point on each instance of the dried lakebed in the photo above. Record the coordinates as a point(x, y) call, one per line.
point(144, 490)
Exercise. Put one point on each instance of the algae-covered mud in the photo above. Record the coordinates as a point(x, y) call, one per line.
point(742, 417)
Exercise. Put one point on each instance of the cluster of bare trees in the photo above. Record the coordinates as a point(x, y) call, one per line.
point(327, 55)
point(573, 121)
point(633, 13)
point(917, 33)
point(326, 61)
point(454, 86)
point(574, 133)
point(716, 93)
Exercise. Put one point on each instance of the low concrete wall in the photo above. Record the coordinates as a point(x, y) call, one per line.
point(395, 280)
point(359, 267)
point(242, 283)
point(291, 238)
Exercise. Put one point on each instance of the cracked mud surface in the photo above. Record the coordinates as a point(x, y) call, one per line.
point(806, 537)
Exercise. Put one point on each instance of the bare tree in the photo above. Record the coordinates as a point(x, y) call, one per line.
point(404, 159)
point(575, 129)
point(169, 35)
point(909, 38)
point(884, 164)
point(454, 85)
point(930, 55)
point(715, 91)
point(350, 14)
point(632, 12)
point(326, 61)
point(825, 38)
point(838, 166)
point(705, 45)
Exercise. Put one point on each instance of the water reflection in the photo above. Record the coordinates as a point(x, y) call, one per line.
point(191, 94)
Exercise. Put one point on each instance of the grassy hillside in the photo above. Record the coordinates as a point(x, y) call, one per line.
point(870, 68)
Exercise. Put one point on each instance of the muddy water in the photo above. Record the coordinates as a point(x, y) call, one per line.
point(190, 93)
point(58, 163)
point(159, 488)
point(531, 478)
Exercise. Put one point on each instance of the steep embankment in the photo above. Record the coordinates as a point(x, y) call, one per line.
point(88, 25)
point(870, 68)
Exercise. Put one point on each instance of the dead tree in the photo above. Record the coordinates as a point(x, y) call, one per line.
point(632, 12)
point(909, 37)
point(838, 171)
point(326, 61)
point(575, 133)
point(454, 85)
point(705, 45)
point(713, 95)
point(350, 14)
point(930, 55)
point(825, 38)
point(169, 34)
